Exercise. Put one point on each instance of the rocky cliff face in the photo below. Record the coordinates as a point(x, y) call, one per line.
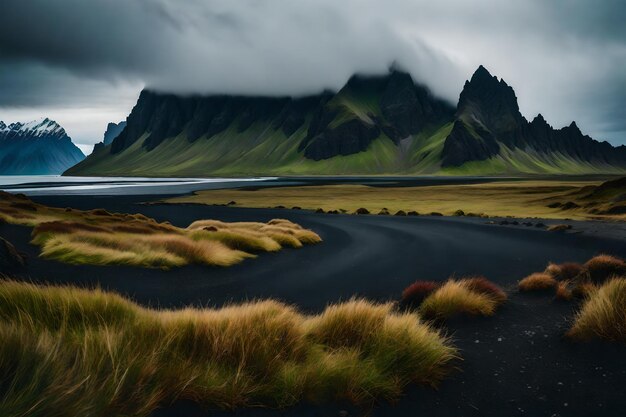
point(162, 116)
point(336, 124)
point(488, 117)
point(37, 147)
point(113, 130)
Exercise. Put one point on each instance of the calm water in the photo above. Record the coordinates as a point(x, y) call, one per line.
point(57, 185)
point(43, 185)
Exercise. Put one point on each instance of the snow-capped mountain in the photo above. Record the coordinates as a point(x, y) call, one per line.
point(34, 129)
point(38, 147)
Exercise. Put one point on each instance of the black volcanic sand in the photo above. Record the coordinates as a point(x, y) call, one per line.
point(515, 363)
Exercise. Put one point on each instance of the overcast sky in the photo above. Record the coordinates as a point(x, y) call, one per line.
point(83, 63)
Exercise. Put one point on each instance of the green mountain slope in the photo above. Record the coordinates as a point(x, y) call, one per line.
point(263, 151)
point(372, 126)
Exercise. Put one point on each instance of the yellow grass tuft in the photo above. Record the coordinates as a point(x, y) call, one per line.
point(539, 281)
point(270, 236)
point(69, 351)
point(603, 315)
point(241, 239)
point(457, 297)
point(156, 250)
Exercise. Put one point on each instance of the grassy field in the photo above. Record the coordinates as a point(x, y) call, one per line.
point(69, 351)
point(549, 199)
point(98, 237)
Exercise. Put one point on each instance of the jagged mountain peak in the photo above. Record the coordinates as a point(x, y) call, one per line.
point(489, 120)
point(489, 103)
point(37, 128)
point(573, 126)
point(395, 75)
point(483, 83)
point(540, 121)
point(482, 74)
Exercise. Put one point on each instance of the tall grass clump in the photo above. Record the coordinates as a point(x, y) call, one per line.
point(482, 285)
point(565, 271)
point(602, 267)
point(603, 314)
point(416, 293)
point(463, 297)
point(539, 281)
point(564, 291)
point(69, 351)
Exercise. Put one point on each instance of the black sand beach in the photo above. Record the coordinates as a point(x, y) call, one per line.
point(515, 363)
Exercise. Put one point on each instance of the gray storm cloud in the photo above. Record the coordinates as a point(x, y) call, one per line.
point(565, 58)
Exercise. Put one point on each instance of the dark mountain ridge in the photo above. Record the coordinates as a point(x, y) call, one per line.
point(374, 124)
point(488, 117)
point(112, 131)
point(405, 107)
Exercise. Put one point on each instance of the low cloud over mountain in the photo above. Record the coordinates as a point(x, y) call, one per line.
point(565, 57)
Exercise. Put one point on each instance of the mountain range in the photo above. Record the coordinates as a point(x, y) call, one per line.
point(35, 148)
point(386, 124)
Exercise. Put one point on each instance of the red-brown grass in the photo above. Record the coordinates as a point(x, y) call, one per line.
point(602, 267)
point(583, 289)
point(565, 271)
point(63, 227)
point(24, 206)
point(563, 291)
point(482, 285)
point(414, 294)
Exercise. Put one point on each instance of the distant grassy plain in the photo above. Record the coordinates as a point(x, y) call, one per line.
point(550, 199)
